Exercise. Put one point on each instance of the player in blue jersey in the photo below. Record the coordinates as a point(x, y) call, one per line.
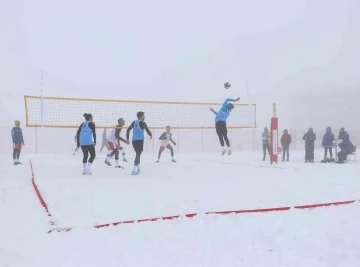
point(18, 142)
point(220, 123)
point(86, 139)
point(138, 137)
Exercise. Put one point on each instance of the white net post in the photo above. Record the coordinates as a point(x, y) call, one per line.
point(42, 110)
point(252, 122)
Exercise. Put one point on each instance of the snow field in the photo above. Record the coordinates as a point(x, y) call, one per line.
point(197, 183)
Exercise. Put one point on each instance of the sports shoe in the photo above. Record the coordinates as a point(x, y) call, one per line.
point(223, 153)
point(134, 173)
point(125, 160)
point(172, 160)
point(229, 152)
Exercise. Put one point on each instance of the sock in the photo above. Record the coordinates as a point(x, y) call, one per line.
point(84, 166)
point(223, 148)
point(116, 163)
point(88, 166)
point(17, 160)
point(135, 168)
point(229, 148)
point(123, 154)
point(138, 166)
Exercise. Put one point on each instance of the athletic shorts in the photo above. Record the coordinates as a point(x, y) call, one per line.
point(162, 147)
point(138, 145)
point(113, 146)
point(221, 127)
point(17, 146)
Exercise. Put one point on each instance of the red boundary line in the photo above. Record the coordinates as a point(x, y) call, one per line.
point(190, 215)
point(38, 194)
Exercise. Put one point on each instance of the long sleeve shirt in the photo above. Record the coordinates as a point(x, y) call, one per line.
point(17, 135)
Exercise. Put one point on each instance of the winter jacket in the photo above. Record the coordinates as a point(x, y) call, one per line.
point(344, 136)
point(346, 146)
point(265, 138)
point(17, 136)
point(328, 139)
point(309, 138)
point(285, 140)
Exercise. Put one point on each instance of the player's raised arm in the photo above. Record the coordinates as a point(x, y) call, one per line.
point(129, 129)
point(230, 100)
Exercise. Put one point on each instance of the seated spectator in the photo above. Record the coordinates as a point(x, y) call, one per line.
point(346, 146)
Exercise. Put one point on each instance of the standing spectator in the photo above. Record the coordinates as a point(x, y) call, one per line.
point(18, 142)
point(309, 138)
point(285, 143)
point(266, 142)
point(327, 144)
point(343, 135)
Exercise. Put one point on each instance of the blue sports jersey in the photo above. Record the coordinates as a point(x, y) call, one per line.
point(224, 112)
point(86, 135)
point(138, 133)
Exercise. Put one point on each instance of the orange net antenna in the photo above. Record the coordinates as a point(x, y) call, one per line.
point(60, 112)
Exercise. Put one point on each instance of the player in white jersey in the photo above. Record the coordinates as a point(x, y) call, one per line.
point(104, 142)
point(166, 138)
point(113, 140)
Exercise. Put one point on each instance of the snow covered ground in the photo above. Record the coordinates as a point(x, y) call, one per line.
point(197, 183)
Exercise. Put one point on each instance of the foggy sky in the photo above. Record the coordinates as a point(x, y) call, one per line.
point(184, 50)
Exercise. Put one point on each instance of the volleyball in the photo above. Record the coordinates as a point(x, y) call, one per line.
point(227, 85)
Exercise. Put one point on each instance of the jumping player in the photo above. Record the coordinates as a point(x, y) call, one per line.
point(18, 142)
point(165, 143)
point(220, 123)
point(138, 137)
point(113, 140)
point(86, 138)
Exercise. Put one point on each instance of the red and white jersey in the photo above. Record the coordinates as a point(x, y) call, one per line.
point(165, 138)
point(111, 137)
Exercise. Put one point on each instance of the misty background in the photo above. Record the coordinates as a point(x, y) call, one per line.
point(303, 55)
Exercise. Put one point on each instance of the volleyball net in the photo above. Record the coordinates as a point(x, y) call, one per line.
point(60, 112)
